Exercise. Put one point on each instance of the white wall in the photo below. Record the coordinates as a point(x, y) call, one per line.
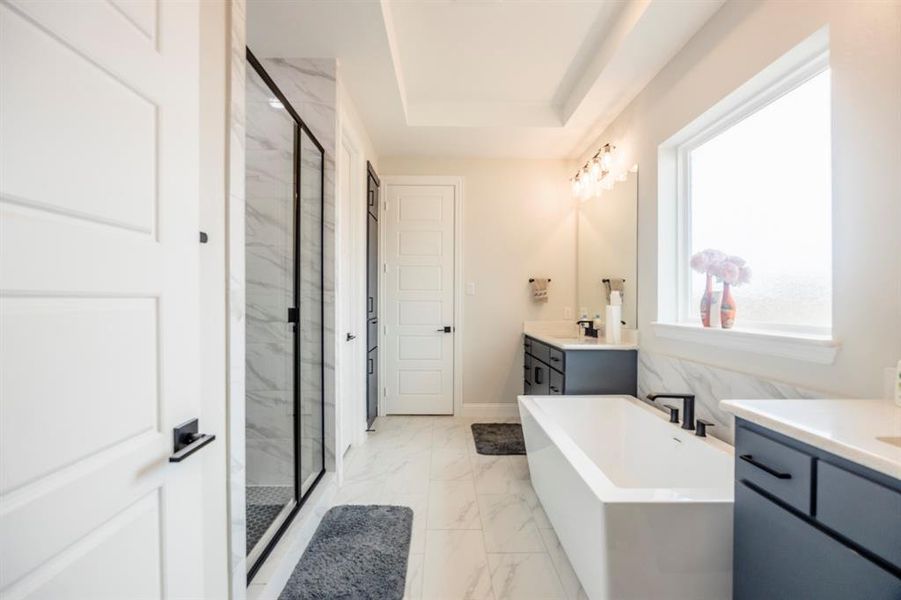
point(354, 149)
point(351, 122)
point(738, 42)
point(519, 221)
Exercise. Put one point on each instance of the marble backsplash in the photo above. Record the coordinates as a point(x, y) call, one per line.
point(663, 373)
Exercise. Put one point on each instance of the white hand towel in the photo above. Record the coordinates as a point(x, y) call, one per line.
point(540, 289)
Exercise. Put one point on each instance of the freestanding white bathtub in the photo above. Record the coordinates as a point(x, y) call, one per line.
point(642, 507)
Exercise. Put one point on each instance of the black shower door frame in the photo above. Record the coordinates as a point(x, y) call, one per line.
point(299, 126)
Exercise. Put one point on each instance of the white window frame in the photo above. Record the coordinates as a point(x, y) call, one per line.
point(812, 344)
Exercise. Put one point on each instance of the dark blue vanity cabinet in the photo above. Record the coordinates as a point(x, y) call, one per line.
point(548, 370)
point(809, 524)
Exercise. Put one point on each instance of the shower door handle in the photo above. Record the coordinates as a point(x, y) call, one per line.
point(186, 440)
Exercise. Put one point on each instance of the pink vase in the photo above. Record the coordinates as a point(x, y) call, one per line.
point(706, 300)
point(727, 309)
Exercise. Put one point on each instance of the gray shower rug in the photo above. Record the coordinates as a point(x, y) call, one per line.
point(357, 552)
point(498, 438)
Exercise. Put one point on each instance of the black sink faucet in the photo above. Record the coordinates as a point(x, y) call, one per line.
point(688, 407)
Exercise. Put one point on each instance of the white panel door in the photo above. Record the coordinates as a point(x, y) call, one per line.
point(99, 300)
point(419, 295)
point(352, 334)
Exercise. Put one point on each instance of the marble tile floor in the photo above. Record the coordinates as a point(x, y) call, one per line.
point(479, 531)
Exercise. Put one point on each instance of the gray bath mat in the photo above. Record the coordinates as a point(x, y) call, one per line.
point(498, 438)
point(357, 552)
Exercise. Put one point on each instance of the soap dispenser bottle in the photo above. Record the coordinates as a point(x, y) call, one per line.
point(597, 323)
point(614, 330)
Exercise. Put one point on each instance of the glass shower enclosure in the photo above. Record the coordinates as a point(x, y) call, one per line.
point(284, 312)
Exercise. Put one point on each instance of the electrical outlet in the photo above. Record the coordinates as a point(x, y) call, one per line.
point(471, 288)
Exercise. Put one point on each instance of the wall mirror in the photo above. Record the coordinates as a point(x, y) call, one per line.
point(608, 250)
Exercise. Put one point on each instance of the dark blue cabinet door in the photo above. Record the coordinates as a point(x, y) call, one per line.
point(778, 556)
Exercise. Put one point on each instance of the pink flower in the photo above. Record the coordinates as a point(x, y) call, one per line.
point(728, 271)
point(733, 270)
point(698, 262)
point(703, 261)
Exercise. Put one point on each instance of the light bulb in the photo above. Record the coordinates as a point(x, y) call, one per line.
point(606, 159)
point(595, 169)
point(575, 185)
point(622, 176)
point(634, 168)
point(607, 182)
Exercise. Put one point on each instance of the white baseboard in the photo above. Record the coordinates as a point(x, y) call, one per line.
point(494, 410)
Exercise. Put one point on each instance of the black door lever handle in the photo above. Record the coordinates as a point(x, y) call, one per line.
point(186, 440)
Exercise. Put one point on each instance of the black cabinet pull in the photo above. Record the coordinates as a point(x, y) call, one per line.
point(369, 304)
point(539, 375)
point(370, 368)
point(767, 469)
point(555, 389)
point(555, 359)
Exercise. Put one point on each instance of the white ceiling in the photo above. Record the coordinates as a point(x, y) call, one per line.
point(483, 78)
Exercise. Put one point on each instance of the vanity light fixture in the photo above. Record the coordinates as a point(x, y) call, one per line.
point(598, 174)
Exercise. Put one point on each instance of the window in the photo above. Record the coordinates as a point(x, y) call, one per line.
point(757, 184)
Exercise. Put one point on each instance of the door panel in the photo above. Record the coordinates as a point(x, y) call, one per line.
point(99, 300)
point(420, 299)
point(372, 385)
point(372, 267)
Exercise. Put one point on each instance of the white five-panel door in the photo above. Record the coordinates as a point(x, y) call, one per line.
point(419, 299)
point(99, 300)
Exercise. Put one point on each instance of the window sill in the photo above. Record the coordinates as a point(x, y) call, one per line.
point(807, 348)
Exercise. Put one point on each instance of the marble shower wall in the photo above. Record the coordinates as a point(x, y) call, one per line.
point(269, 255)
point(659, 373)
point(237, 540)
point(309, 84)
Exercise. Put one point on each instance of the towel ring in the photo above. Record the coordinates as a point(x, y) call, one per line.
point(532, 280)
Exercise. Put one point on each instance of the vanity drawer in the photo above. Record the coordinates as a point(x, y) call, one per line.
point(556, 383)
point(779, 556)
point(540, 378)
point(875, 518)
point(539, 350)
point(556, 358)
point(775, 468)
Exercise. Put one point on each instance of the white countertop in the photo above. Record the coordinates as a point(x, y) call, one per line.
point(850, 429)
point(565, 336)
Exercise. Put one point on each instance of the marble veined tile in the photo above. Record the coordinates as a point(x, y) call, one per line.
point(455, 566)
point(524, 577)
point(453, 505)
point(565, 572)
point(659, 372)
point(413, 583)
point(450, 464)
point(508, 524)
